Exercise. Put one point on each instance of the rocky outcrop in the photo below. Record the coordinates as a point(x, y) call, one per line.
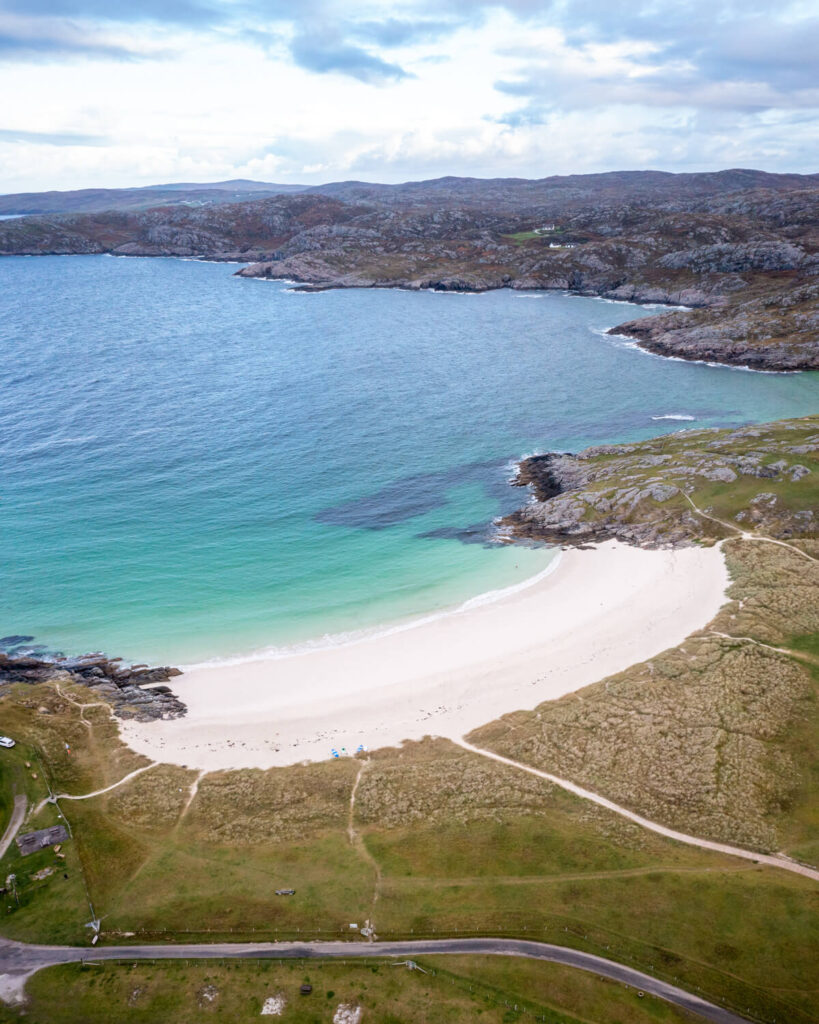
point(564, 499)
point(132, 691)
point(731, 259)
point(639, 493)
point(778, 330)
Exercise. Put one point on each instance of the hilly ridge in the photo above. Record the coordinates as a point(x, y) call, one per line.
point(738, 248)
point(93, 200)
point(509, 192)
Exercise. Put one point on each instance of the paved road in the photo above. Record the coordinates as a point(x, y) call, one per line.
point(17, 816)
point(19, 961)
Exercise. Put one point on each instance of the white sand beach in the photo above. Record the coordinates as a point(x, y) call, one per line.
point(598, 612)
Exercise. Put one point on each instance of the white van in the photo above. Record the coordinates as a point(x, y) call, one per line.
point(6, 741)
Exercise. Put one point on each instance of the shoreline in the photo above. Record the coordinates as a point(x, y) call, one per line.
point(304, 286)
point(591, 613)
point(308, 287)
point(334, 641)
point(637, 346)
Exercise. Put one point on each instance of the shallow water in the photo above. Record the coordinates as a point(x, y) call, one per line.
point(195, 464)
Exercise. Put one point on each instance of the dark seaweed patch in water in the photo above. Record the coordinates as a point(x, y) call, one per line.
point(418, 494)
point(478, 533)
point(19, 645)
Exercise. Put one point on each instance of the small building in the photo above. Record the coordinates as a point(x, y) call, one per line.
point(31, 842)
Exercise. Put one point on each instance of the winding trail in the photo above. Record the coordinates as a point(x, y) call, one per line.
point(17, 817)
point(97, 792)
point(359, 844)
point(84, 705)
point(746, 534)
point(19, 961)
point(772, 860)
point(799, 655)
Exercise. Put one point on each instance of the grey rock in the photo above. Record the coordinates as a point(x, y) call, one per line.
point(120, 685)
point(730, 258)
point(661, 492)
point(722, 473)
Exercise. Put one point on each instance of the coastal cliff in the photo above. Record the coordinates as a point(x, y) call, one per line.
point(738, 249)
point(689, 487)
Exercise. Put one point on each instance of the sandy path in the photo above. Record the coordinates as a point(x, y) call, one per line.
point(97, 792)
point(670, 833)
point(107, 789)
point(748, 534)
point(600, 611)
point(194, 789)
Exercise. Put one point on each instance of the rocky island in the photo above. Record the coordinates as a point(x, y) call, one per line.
point(739, 249)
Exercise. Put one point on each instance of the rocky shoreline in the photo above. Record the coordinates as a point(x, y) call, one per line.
point(766, 320)
point(133, 691)
point(641, 493)
point(312, 278)
point(756, 333)
point(739, 250)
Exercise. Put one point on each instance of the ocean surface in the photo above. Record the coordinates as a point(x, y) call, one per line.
point(194, 465)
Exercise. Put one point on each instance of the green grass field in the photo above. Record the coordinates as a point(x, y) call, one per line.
point(461, 846)
point(18, 779)
point(520, 237)
point(450, 990)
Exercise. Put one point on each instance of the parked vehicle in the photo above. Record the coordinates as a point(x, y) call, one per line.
point(6, 741)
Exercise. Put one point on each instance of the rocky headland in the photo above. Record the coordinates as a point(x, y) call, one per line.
point(689, 487)
point(133, 691)
point(738, 249)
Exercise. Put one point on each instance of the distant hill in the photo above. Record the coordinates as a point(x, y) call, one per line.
point(234, 185)
point(517, 193)
point(509, 193)
point(95, 200)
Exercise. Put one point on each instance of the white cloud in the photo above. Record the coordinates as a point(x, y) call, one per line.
point(497, 92)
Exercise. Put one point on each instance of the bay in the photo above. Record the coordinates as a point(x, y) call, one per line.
point(194, 465)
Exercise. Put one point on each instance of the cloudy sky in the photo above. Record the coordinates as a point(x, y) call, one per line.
point(134, 92)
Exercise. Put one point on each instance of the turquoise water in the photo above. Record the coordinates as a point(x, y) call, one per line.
point(197, 465)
